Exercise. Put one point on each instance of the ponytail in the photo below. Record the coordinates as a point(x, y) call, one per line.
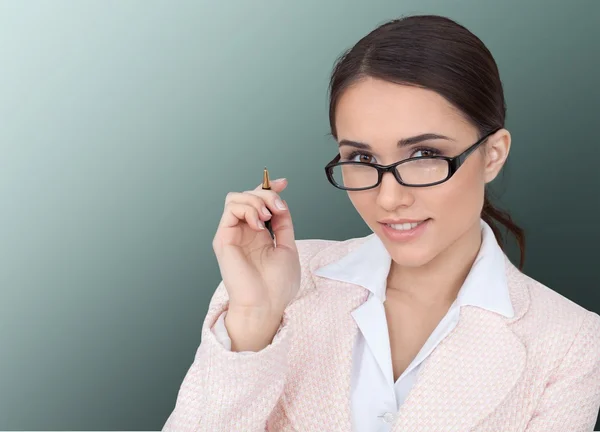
point(494, 217)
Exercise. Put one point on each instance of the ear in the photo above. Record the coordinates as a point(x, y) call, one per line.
point(496, 152)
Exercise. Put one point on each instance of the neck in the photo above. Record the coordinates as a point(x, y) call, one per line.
point(438, 282)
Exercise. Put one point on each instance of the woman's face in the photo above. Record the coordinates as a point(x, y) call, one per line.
point(380, 114)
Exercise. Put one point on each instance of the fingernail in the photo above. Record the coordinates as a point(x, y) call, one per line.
point(280, 179)
point(261, 225)
point(279, 204)
point(266, 211)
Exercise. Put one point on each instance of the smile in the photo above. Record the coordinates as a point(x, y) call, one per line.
point(405, 226)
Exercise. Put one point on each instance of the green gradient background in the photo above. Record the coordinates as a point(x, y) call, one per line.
point(124, 123)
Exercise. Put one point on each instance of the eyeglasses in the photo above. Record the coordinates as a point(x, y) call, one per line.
point(414, 172)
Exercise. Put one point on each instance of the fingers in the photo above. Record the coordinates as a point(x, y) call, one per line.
point(266, 198)
point(283, 229)
point(281, 223)
point(235, 212)
point(253, 207)
point(266, 202)
point(259, 205)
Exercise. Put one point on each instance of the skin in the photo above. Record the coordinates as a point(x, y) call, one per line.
point(426, 273)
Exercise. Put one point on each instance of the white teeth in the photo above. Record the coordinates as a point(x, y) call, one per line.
point(404, 226)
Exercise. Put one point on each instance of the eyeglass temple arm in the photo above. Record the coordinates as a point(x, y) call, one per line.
point(458, 161)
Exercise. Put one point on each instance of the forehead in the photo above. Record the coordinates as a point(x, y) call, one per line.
point(373, 109)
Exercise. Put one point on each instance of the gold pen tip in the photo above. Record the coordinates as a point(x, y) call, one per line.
point(266, 183)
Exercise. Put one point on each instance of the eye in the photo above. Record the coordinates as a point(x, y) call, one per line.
point(425, 152)
point(357, 156)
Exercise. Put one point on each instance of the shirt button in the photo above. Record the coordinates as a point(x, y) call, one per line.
point(388, 417)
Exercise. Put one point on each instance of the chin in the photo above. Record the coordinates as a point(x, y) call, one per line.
point(409, 255)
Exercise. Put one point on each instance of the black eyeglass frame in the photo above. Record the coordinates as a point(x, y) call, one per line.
point(454, 163)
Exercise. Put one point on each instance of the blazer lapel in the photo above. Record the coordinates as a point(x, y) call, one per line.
point(470, 372)
point(463, 380)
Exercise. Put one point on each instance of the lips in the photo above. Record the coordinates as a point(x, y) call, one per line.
point(404, 231)
point(406, 226)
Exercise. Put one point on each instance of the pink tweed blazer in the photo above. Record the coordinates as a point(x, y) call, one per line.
point(538, 371)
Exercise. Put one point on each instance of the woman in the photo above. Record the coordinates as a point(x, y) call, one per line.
point(424, 325)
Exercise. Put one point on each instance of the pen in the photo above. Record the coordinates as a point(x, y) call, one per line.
point(266, 185)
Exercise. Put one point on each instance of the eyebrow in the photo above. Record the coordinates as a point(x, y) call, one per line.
point(401, 143)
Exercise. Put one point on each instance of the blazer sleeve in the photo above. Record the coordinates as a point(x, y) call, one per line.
point(226, 391)
point(571, 399)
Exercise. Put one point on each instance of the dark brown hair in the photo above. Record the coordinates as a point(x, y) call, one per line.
point(439, 54)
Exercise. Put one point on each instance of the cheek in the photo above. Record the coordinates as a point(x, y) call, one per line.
point(363, 202)
point(458, 201)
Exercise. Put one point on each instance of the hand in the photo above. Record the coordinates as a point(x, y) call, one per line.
point(261, 276)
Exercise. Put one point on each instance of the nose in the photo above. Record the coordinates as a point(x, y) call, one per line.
point(393, 195)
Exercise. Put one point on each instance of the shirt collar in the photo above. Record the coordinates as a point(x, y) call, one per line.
point(485, 286)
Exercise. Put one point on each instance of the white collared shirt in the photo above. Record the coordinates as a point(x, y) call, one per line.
point(375, 396)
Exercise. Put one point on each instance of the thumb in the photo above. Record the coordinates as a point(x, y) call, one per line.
point(283, 229)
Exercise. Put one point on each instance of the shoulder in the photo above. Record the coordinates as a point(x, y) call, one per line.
point(554, 320)
point(550, 305)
